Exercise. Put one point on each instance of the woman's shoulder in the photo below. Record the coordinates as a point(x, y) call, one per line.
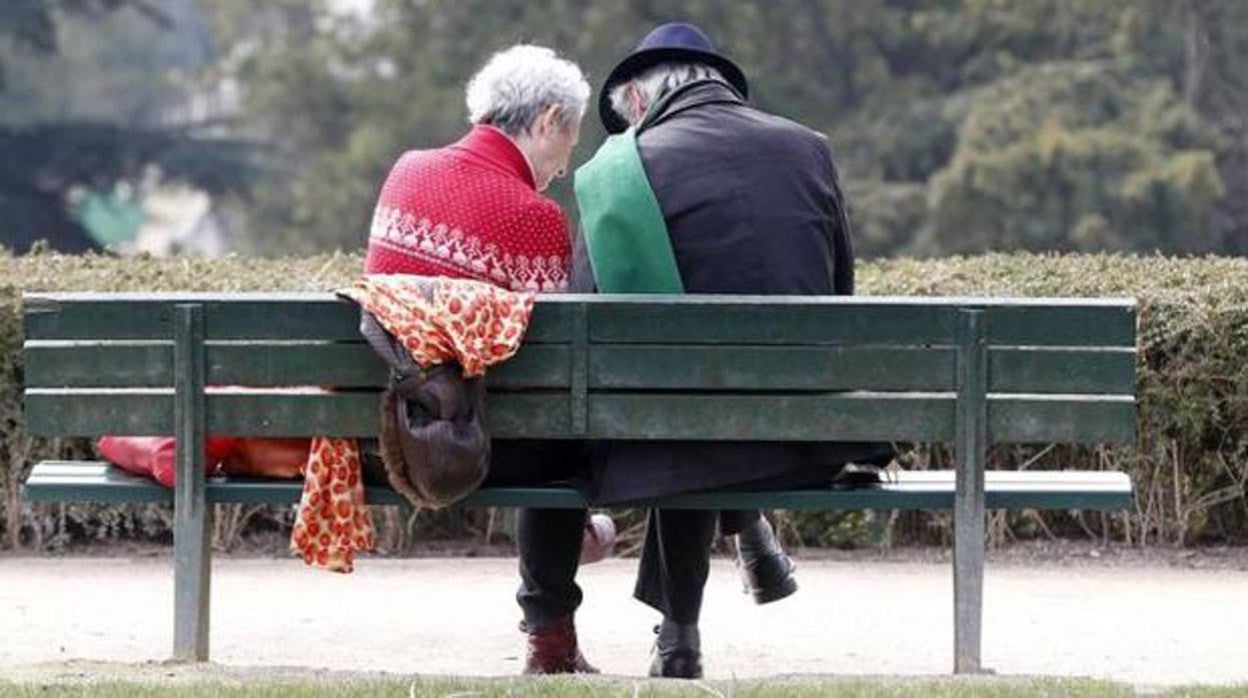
point(541, 214)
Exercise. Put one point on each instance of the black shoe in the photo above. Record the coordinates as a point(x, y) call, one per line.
point(767, 577)
point(766, 571)
point(677, 651)
point(858, 475)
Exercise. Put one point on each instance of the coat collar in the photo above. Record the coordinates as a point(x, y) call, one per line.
point(687, 96)
point(495, 149)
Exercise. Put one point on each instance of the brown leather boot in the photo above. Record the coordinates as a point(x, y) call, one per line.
point(553, 650)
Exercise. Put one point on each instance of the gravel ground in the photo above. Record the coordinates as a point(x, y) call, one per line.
point(1149, 620)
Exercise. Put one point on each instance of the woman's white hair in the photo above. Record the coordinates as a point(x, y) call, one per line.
point(657, 81)
point(520, 83)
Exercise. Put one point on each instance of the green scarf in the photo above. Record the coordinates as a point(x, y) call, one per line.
point(625, 233)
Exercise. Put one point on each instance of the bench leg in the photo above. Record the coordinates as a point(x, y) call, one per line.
point(968, 583)
point(968, 507)
point(192, 514)
point(192, 561)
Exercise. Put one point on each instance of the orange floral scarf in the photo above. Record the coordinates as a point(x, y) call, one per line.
point(438, 320)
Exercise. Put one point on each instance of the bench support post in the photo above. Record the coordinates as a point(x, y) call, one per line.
point(192, 515)
point(971, 444)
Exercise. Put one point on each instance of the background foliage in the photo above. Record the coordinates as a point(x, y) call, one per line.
point(91, 101)
point(1189, 465)
point(962, 126)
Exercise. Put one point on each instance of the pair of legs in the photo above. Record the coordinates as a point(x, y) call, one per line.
point(671, 576)
point(676, 557)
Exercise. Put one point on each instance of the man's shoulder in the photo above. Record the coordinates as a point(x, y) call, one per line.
point(783, 126)
point(740, 122)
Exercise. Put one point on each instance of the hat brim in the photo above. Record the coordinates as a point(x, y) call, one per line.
point(638, 62)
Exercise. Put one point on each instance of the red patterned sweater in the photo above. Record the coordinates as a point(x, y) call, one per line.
point(470, 210)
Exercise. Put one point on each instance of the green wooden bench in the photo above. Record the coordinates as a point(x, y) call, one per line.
point(968, 371)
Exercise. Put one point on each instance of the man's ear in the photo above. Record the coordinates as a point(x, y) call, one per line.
point(637, 102)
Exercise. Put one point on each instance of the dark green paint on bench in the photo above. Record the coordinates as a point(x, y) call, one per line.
point(854, 416)
point(340, 364)
point(192, 515)
point(300, 316)
point(643, 320)
point(971, 429)
point(615, 367)
point(932, 490)
point(770, 368)
point(1035, 370)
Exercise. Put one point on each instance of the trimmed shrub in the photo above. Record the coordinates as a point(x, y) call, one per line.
point(1189, 464)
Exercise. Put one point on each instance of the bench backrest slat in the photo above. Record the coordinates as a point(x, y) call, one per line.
point(654, 320)
point(305, 317)
point(1059, 370)
point(615, 367)
point(150, 365)
point(811, 417)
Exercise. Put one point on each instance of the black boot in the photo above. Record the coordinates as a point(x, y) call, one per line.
point(677, 651)
point(766, 571)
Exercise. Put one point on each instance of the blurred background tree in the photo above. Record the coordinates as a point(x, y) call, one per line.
point(960, 125)
point(96, 111)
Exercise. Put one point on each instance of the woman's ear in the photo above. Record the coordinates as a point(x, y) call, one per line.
point(549, 121)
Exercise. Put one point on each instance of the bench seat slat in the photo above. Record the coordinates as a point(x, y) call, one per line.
point(930, 490)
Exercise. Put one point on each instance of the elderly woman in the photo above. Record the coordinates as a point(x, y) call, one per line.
point(473, 210)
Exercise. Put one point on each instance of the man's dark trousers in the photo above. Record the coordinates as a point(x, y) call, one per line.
point(673, 566)
point(677, 550)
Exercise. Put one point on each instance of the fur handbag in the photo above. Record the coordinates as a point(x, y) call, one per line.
point(433, 438)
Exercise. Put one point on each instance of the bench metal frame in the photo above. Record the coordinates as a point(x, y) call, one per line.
point(971, 492)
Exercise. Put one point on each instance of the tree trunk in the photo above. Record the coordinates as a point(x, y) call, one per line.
point(1195, 48)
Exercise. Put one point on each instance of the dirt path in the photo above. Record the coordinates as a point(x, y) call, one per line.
point(1143, 624)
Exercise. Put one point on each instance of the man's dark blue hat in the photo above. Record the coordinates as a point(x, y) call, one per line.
point(676, 41)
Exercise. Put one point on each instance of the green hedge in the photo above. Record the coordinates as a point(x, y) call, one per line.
point(1190, 461)
point(1189, 465)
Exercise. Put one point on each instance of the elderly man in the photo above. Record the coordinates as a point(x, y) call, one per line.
point(473, 210)
point(700, 193)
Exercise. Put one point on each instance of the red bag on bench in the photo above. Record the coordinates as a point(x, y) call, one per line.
point(155, 456)
point(268, 457)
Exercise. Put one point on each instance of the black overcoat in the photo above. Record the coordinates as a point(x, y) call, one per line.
point(753, 206)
